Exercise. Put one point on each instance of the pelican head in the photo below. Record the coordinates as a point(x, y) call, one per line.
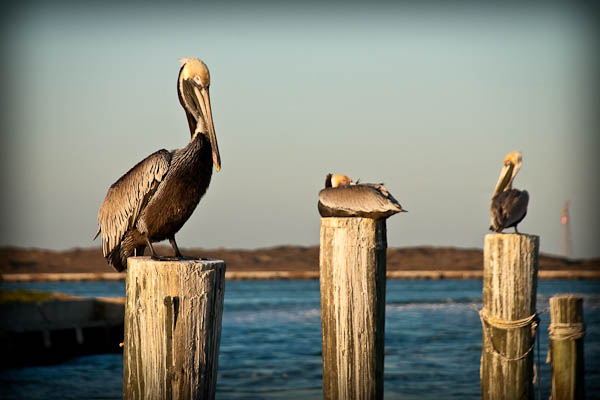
point(512, 165)
point(192, 87)
point(335, 180)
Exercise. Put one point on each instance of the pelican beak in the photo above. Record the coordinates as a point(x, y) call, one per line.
point(204, 102)
point(505, 179)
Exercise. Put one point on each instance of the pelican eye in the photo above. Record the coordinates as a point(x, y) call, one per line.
point(197, 81)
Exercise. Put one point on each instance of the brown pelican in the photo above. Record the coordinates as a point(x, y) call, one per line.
point(344, 198)
point(509, 206)
point(153, 200)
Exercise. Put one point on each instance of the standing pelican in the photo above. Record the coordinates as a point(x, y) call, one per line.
point(509, 206)
point(344, 198)
point(153, 200)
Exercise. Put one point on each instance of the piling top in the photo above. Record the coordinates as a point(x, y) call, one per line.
point(566, 308)
point(565, 296)
point(354, 231)
point(343, 221)
point(509, 235)
point(176, 263)
point(510, 264)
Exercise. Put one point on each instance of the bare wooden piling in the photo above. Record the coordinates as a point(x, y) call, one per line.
point(352, 279)
point(509, 318)
point(173, 316)
point(566, 332)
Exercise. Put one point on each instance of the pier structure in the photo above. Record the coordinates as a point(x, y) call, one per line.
point(565, 353)
point(173, 314)
point(509, 318)
point(353, 279)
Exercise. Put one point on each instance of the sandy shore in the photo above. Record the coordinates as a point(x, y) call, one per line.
point(271, 275)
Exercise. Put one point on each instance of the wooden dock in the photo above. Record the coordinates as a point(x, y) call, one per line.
point(53, 330)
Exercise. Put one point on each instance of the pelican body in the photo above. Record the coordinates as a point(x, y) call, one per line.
point(344, 198)
point(509, 206)
point(153, 200)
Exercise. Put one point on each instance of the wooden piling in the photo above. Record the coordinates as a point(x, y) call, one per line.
point(352, 278)
point(566, 332)
point(509, 318)
point(173, 316)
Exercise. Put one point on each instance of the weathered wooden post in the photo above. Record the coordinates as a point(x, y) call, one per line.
point(172, 328)
point(352, 267)
point(508, 317)
point(566, 332)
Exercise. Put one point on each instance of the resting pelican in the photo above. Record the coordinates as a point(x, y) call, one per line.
point(344, 198)
point(509, 206)
point(153, 200)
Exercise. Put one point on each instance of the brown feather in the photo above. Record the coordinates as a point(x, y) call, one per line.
point(363, 200)
point(127, 196)
point(508, 209)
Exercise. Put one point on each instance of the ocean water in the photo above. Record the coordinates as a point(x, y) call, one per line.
point(271, 343)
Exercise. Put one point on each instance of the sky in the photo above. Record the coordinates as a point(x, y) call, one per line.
point(427, 99)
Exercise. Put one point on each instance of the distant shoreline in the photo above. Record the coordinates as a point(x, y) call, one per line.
point(289, 275)
point(280, 262)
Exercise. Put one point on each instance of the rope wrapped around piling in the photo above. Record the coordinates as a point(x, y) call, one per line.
point(488, 321)
point(566, 331)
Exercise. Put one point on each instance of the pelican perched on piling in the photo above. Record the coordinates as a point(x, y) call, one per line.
point(153, 200)
point(344, 198)
point(509, 206)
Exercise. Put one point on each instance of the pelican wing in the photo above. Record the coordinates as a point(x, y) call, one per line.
point(128, 196)
point(509, 208)
point(382, 190)
point(364, 200)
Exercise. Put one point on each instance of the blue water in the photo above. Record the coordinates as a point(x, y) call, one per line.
point(271, 343)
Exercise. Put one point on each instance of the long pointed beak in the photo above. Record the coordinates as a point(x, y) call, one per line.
point(505, 178)
point(204, 100)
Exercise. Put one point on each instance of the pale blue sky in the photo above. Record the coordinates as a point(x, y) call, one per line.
point(426, 100)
